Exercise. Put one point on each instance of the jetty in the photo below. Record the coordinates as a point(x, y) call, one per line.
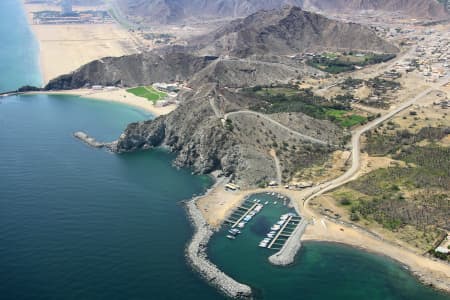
point(284, 232)
point(90, 141)
point(286, 255)
point(196, 254)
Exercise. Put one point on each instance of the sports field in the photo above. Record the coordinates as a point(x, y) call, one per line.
point(148, 92)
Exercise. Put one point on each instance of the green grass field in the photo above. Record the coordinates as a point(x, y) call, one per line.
point(345, 119)
point(148, 92)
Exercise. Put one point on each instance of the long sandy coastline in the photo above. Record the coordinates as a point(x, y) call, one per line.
point(63, 48)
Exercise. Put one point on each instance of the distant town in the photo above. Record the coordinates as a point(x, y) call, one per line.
point(67, 14)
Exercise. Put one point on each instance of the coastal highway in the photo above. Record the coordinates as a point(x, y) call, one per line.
point(351, 173)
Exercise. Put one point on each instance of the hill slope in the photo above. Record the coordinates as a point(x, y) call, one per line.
point(289, 31)
point(176, 11)
point(430, 9)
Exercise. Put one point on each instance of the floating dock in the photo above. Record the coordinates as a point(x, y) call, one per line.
point(241, 212)
point(284, 233)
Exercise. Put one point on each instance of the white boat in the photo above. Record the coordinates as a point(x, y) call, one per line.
point(272, 232)
point(234, 231)
point(231, 237)
point(270, 235)
point(241, 225)
point(280, 222)
point(275, 227)
point(263, 245)
point(267, 202)
point(275, 202)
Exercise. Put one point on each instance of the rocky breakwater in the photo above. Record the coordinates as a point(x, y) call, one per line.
point(196, 255)
point(90, 141)
point(287, 253)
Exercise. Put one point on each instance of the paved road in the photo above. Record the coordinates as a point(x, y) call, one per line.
point(356, 145)
point(296, 133)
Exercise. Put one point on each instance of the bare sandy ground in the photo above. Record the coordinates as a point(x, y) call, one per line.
point(119, 96)
point(64, 48)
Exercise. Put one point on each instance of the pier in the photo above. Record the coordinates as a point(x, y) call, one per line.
point(285, 256)
point(247, 210)
point(285, 232)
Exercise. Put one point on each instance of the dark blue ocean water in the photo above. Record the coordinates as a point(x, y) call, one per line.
point(79, 223)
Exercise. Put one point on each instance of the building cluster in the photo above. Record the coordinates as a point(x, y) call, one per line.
point(431, 57)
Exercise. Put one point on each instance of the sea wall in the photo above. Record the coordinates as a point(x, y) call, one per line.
point(196, 255)
point(90, 141)
point(287, 253)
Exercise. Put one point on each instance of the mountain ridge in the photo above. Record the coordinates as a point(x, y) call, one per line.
point(181, 11)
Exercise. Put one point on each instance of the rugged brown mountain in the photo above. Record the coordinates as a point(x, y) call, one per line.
point(258, 45)
point(133, 70)
point(289, 31)
point(176, 11)
point(429, 9)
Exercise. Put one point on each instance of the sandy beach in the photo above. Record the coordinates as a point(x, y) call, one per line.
point(64, 48)
point(429, 271)
point(118, 96)
point(218, 204)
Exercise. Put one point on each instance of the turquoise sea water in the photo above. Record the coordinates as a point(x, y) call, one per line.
point(80, 223)
point(19, 61)
point(321, 270)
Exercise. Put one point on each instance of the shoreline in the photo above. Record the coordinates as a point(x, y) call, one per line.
point(437, 276)
point(117, 96)
point(427, 271)
point(63, 48)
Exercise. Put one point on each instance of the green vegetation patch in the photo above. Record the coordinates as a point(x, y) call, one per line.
point(289, 98)
point(344, 118)
point(337, 63)
point(396, 197)
point(381, 145)
point(148, 92)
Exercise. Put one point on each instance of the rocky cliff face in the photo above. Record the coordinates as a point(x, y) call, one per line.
point(200, 141)
point(205, 144)
point(289, 31)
